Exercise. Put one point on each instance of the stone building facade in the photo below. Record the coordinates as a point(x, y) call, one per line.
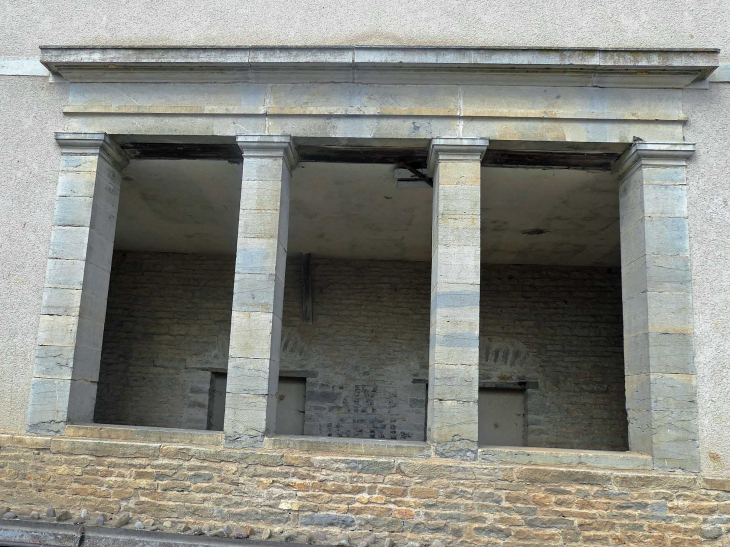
point(367, 289)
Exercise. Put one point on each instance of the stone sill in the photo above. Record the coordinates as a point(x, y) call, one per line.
point(153, 437)
point(601, 459)
point(143, 434)
point(349, 447)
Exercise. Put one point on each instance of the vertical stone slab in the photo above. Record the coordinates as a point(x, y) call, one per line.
point(258, 290)
point(453, 387)
point(661, 398)
point(63, 389)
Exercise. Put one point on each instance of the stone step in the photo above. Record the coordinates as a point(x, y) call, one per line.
point(145, 434)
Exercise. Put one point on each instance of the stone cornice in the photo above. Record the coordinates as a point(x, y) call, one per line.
point(652, 154)
point(267, 146)
point(655, 68)
point(88, 144)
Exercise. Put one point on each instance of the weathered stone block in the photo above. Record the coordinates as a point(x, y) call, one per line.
point(252, 376)
point(659, 353)
point(245, 419)
point(269, 169)
point(252, 334)
point(456, 265)
point(261, 194)
point(457, 201)
point(67, 362)
point(453, 420)
point(54, 402)
point(76, 184)
point(455, 169)
point(656, 273)
point(258, 223)
point(258, 293)
point(454, 382)
point(457, 230)
point(327, 520)
point(658, 312)
point(57, 330)
point(112, 449)
point(257, 256)
point(73, 211)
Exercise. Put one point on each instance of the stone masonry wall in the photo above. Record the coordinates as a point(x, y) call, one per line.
point(558, 328)
point(167, 325)
point(317, 498)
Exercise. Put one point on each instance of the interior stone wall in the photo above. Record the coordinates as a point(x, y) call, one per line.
point(365, 355)
point(167, 327)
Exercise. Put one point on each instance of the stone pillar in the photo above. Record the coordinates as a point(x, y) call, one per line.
point(661, 398)
point(258, 290)
point(71, 327)
point(453, 386)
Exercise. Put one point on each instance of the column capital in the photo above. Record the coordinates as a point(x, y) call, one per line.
point(89, 144)
point(262, 146)
point(455, 149)
point(652, 154)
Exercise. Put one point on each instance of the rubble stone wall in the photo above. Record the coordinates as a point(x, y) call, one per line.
point(318, 498)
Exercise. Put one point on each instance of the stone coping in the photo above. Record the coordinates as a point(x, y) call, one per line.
point(602, 459)
point(149, 440)
point(146, 439)
point(384, 64)
point(349, 447)
point(145, 434)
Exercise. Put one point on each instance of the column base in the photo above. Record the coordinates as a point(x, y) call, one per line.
point(458, 449)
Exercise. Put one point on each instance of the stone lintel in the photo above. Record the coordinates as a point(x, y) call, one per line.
point(267, 146)
point(652, 154)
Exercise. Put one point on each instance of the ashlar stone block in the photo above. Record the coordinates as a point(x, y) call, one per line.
point(71, 326)
point(452, 428)
point(253, 365)
point(657, 295)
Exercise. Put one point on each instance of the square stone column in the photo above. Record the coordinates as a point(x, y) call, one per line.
point(258, 290)
point(453, 362)
point(63, 389)
point(661, 398)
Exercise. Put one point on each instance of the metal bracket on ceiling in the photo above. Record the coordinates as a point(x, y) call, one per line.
point(416, 174)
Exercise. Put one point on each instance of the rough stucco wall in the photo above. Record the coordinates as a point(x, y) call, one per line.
point(708, 180)
point(168, 321)
point(616, 23)
point(29, 162)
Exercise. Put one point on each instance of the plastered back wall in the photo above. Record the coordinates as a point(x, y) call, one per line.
point(29, 160)
point(168, 323)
